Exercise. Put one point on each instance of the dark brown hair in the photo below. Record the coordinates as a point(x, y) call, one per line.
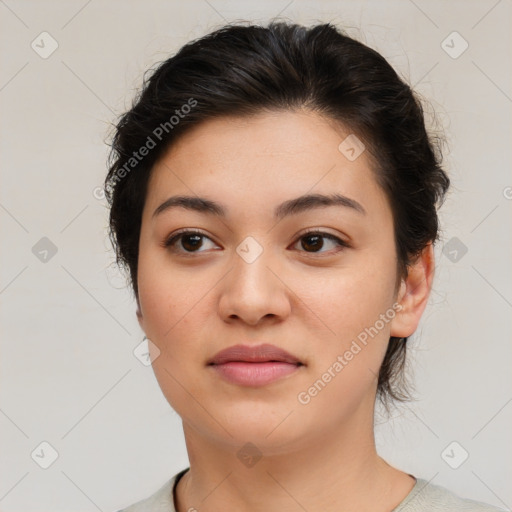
point(245, 69)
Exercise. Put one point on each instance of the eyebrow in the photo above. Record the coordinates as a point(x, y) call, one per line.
point(289, 207)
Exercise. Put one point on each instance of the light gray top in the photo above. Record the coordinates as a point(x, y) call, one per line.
point(423, 497)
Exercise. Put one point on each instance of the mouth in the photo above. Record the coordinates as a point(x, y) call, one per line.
point(254, 366)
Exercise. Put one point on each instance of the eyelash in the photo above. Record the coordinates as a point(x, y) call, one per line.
point(170, 242)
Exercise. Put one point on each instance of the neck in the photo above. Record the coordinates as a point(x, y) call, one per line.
point(330, 471)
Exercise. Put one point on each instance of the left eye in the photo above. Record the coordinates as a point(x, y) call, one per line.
point(192, 240)
point(314, 240)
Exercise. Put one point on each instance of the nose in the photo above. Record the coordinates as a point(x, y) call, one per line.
point(254, 291)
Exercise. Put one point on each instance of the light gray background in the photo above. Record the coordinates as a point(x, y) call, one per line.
point(69, 375)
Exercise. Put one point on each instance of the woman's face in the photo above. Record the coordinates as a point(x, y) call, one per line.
point(253, 278)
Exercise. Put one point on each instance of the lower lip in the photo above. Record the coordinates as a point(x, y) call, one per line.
point(254, 374)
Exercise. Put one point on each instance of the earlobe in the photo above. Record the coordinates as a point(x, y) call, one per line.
point(414, 293)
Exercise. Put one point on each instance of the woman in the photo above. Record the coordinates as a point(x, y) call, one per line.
point(274, 198)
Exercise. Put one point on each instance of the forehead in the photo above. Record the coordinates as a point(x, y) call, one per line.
point(263, 159)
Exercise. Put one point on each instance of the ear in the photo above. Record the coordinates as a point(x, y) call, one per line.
point(414, 293)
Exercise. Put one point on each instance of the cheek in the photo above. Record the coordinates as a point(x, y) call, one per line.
point(171, 301)
point(351, 299)
point(167, 293)
point(357, 308)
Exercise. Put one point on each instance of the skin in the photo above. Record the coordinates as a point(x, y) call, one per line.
point(313, 301)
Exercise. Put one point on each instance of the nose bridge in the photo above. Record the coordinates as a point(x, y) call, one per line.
point(251, 290)
point(251, 266)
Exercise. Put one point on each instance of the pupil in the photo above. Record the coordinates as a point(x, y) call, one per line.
point(194, 245)
point(318, 244)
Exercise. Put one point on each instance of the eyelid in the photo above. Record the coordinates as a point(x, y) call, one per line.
point(322, 231)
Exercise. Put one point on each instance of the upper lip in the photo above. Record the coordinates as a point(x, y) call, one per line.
point(253, 354)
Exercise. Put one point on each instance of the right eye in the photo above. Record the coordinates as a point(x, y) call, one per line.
point(189, 241)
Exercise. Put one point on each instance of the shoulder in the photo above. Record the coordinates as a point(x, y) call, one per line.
point(162, 500)
point(429, 497)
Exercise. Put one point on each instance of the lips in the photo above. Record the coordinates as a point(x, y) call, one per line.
point(254, 354)
point(254, 366)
